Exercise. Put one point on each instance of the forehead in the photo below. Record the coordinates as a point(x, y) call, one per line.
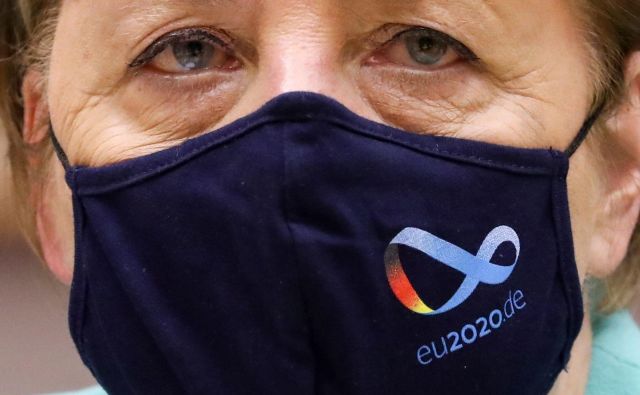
point(477, 10)
point(492, 20)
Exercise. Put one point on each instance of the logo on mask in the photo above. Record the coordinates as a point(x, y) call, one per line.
point(476, 268)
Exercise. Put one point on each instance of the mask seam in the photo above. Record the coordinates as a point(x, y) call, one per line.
point(568, 269)
point(558, 205)
point(215, 140)
point(78, 282)
point(287, 219)
point(446, 153)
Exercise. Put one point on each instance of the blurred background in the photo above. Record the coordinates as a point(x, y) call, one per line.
point(36, 352)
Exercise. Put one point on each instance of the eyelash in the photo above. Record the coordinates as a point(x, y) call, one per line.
point(456, 45)
point(161, 44)
point(165, 41)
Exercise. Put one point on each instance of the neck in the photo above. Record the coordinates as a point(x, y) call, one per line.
point(574, 379)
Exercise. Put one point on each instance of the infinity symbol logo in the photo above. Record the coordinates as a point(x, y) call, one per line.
point(477, 268)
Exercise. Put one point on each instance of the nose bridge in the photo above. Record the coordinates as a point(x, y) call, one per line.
point(299, 49)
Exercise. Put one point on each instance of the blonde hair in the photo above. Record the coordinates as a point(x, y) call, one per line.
point(27, 29)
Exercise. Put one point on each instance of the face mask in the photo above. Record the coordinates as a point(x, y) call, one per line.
point(304, 249)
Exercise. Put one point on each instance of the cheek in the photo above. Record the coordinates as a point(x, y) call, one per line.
point(140, 118)
point(54, 221)
point(463, 104)
point(417, 102)
point(177, 108)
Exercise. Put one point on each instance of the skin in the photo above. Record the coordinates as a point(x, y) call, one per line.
point(531, 87)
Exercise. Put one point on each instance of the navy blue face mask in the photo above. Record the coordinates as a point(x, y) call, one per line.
point(304, 249)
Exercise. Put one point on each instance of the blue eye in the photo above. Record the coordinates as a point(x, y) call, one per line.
point(424, 48)
point(194, 55)
point(188, 51)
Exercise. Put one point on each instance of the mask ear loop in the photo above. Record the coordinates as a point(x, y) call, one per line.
point(58, 149)
point(584, 132)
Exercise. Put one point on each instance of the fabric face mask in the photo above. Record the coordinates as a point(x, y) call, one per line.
point(304, 249)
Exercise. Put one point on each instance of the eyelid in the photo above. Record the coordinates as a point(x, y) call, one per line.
point(459, 47)
point(193, 33)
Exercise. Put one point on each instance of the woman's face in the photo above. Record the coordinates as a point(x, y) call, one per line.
point(131, 77)
point(128, 78)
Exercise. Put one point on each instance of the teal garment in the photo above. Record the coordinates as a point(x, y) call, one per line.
point(87, 391)
point(615, 362)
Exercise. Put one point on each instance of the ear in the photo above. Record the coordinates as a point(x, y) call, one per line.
point(36, 111)
point(44, 191)
point(617, 213)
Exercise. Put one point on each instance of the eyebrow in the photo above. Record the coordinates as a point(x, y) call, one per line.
point(172, 3)
point(199, 3)
point(469, 17)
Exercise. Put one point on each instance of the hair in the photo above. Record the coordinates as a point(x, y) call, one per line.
point(27, 28)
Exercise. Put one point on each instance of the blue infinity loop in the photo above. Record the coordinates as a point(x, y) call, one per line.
point(476, 268)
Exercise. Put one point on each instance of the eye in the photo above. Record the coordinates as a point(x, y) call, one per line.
point(422, 48)
point(191, 56)
point(188, 51)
